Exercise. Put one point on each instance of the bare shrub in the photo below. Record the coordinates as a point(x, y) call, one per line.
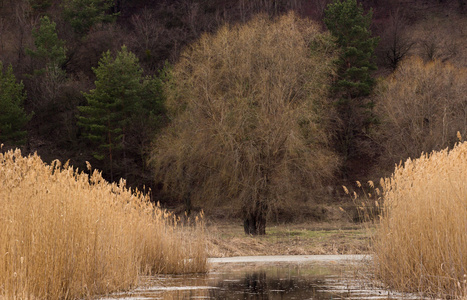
point(440, 38)
point(67, 235)
point(249, 119)
point(147, 36)
point(421, 240)
point(86, 54)
point(422, 106)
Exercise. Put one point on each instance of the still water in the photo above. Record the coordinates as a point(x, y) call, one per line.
point(291, 277)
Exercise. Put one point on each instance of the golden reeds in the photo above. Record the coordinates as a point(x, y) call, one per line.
point(67, 235)
point(421, 240)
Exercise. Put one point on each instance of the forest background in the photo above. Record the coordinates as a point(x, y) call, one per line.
point(59, 57)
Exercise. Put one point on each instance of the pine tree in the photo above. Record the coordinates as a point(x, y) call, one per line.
point(347, 22)
point(40, 5)
point(122, 98)
point(12, 116)
point(49, 56)
point(351, 27)
point(84, 14)
point(50, 50)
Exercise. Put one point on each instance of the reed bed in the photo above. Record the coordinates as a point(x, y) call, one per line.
point(421, 241)
point(67, 235)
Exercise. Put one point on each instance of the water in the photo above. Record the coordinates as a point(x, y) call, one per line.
point(297, 277)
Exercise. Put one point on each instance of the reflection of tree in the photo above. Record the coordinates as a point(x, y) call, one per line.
point(259, 286)
point(252, 286)
point(256, 286)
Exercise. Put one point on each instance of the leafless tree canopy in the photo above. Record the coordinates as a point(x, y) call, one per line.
point(249, 116)
point(423, 107)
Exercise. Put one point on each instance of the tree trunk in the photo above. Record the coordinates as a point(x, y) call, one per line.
point(254, 222)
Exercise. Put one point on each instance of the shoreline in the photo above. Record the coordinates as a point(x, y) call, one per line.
point(288, 258)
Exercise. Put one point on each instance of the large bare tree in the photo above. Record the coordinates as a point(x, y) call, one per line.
point(249, 118)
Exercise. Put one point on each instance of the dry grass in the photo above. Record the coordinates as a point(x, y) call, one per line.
point(421, 240)
point(226, 238)
point(67, 235)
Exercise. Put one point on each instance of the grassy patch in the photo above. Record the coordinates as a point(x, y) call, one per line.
point(228, 239)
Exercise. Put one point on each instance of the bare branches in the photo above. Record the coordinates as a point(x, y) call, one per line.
point(424, 107)
point(246, 103)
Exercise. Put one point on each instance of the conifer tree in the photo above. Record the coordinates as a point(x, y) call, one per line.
point(122, 98)
point(50, 50)
point(351, 27)
point(84, 14)
point(12, 116)
point(40, 5)
point(347, 22)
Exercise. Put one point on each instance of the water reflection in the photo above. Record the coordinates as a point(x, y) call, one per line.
point(264, 281)
point(260, 286)
point(283, 282)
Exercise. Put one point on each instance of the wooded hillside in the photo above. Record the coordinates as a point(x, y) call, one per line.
point(92, 80)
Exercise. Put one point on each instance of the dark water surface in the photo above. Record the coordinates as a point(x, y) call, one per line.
point(327, 278)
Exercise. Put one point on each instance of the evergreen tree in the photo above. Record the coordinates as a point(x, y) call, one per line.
point(351, 27)
point(50, 50)
point(40, 5)
point(347, 22)
point(12, 115)
point(123, 98)
point(84, 14)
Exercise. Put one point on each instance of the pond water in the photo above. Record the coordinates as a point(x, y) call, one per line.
point(278, 277)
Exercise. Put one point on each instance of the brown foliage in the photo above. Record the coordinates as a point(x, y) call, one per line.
point(422, 106)
point(249, 117)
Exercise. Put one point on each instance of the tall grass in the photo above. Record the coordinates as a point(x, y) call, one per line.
point(67, 235)
point(421, 241)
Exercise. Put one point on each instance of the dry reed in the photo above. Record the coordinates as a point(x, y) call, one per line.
point(422, 237)
point(68, 235)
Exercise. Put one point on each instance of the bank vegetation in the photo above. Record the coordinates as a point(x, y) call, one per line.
point(65, 234)
point(421, 239)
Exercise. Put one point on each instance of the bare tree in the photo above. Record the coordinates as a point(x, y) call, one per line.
point(249, 119)
point(422, 107)
point(24, 23)
point(4, 27)
point(147, 38)
point(395, 42)
point(317, 8)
